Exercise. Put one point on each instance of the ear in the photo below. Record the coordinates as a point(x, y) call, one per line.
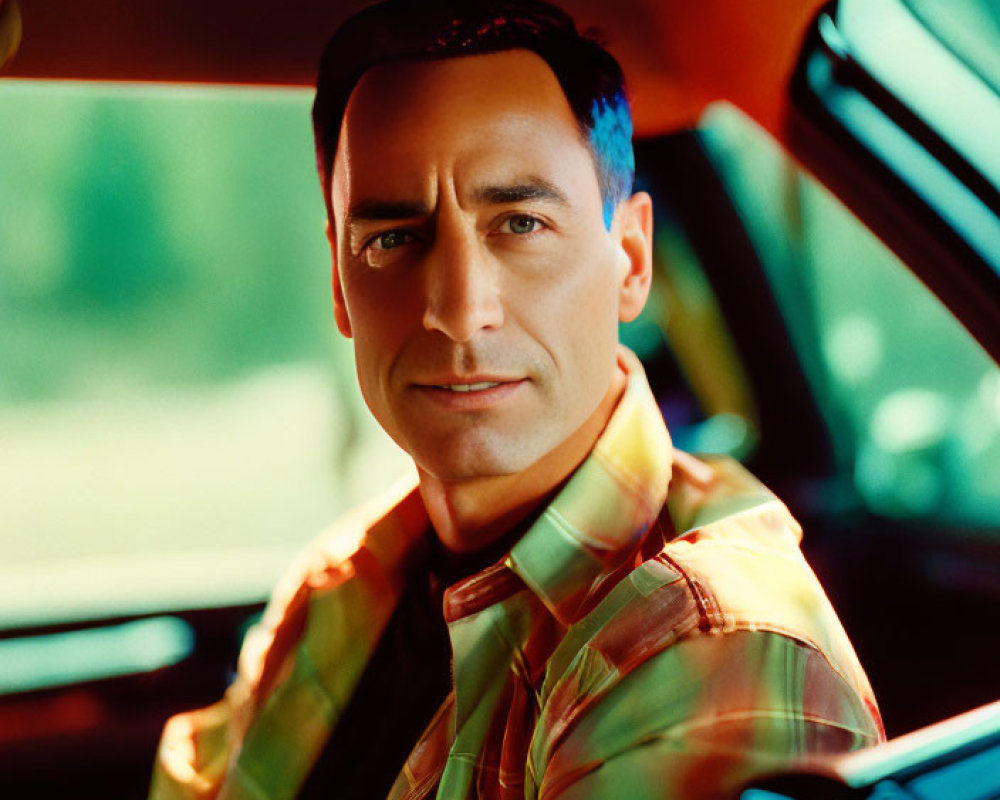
point(634, 229)
point(339, 306)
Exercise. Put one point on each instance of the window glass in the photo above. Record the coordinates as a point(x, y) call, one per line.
point(178, 414)
point(913, 400)
point(931, 80)
point(970, 28)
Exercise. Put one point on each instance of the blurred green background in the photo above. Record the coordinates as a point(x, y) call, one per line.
point(172, 389)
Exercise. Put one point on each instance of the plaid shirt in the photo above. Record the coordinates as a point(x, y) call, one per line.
point(633, 643)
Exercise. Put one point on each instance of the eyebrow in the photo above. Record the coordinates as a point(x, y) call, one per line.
point(531, 189)
point(379, 210)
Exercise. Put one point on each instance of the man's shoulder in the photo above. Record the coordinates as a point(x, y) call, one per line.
point(707, 489)
point(738, 547)
point(312, 642)
point(386, 526)
point(730, 566)
point(354, 568)
point(724, 637)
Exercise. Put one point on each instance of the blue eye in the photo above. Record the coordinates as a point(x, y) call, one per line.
point(390, 240)
point(522, 224)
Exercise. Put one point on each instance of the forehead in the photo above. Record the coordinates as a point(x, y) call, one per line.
point(503, 111)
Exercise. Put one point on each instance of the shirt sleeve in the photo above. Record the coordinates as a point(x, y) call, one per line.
point(193, 754)
point(703, 717)
point(197, 748)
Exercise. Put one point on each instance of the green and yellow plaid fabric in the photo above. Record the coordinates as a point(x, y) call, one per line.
point(635, 643)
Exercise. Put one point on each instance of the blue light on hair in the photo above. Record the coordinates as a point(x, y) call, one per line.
point(611, 145)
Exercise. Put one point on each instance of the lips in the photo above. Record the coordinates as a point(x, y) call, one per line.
point(469, 387)
point(475, 393)
point(455, 382)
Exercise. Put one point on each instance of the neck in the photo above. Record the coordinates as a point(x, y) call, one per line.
point(472, 514)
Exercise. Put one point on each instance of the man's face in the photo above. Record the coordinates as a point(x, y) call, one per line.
point(475, 273)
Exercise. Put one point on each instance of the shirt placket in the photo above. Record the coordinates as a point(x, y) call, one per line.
point(490, 622)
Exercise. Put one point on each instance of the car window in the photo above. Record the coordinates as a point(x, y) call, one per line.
point(970, 28)
point(178, 414)
point(905, 108)
point(919, 399)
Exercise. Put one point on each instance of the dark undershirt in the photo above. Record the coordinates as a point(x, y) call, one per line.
point(405, 682)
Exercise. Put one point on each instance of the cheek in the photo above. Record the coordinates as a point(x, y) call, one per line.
point(574, 317)
point(377, 344)
point(582, 296)
point(379, 309)
point(590, 323)
point(380, 323)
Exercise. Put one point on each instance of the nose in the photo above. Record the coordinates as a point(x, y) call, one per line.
point(461, 284)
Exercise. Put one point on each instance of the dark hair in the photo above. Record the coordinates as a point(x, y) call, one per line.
point(404, 30)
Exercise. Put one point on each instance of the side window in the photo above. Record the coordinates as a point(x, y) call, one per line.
point(921, 401)
point(173, 393)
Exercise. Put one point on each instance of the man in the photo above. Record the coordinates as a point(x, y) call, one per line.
point(561, 605)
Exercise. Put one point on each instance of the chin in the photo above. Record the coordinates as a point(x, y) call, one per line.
point(468, 460)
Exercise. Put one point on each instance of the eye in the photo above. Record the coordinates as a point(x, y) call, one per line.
point(389, 240)
point(521, 224)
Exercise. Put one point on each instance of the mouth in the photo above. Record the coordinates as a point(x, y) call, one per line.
point(468, 387)
point(470, 394)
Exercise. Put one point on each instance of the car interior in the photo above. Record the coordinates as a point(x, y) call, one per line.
point(178, 417)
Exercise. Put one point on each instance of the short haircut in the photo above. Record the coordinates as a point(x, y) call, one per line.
point(404, 30)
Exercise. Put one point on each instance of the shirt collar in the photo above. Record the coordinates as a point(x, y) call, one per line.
point(605, 509)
